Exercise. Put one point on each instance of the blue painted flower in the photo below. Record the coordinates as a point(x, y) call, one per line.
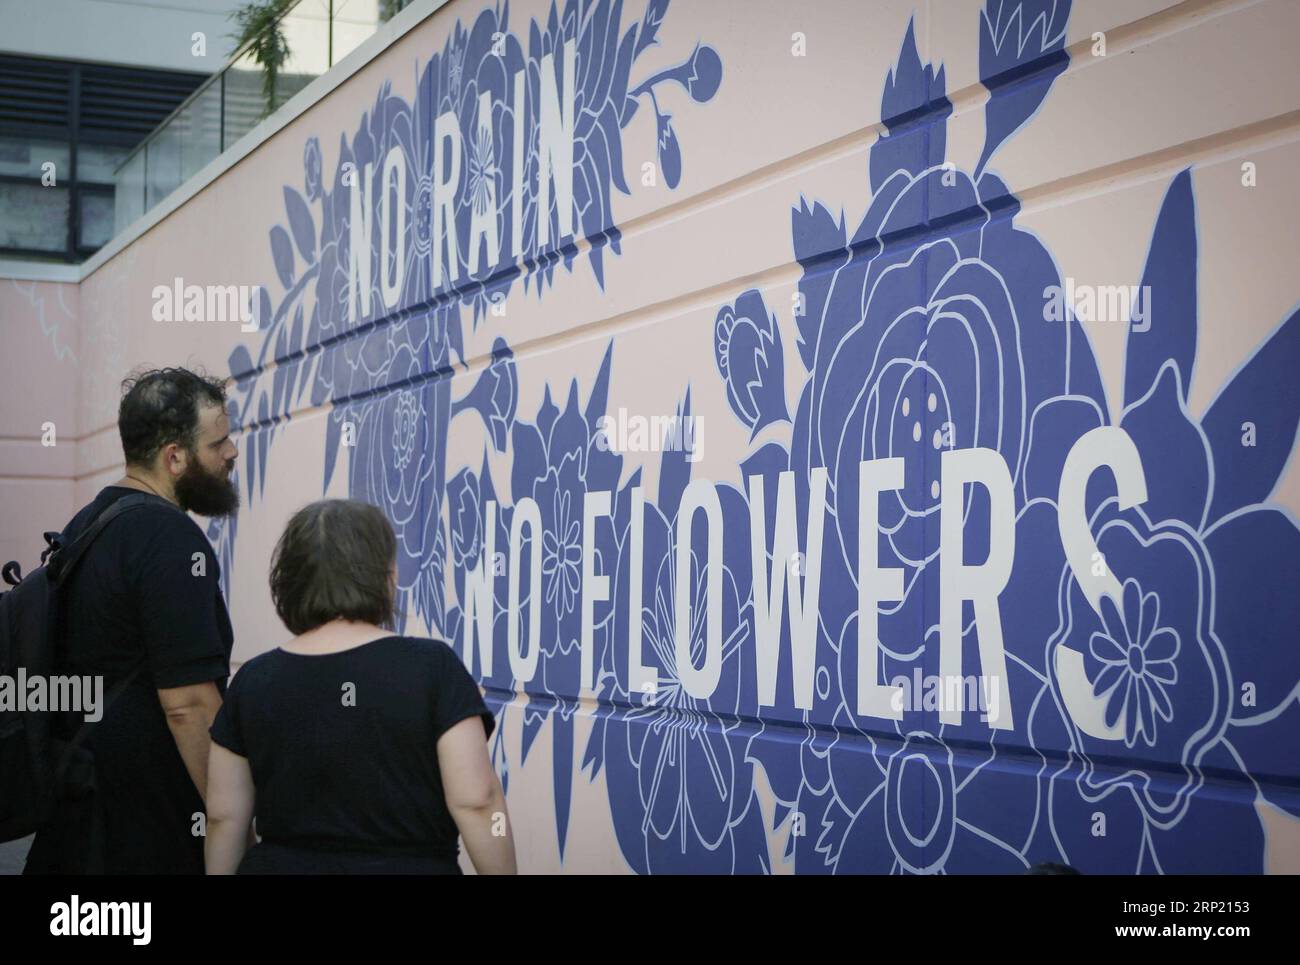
point(747, 350)
point(389, 385)
point(604, 106)
point(1138, 654)
point(919, 347)
point(400, 480)
point(693, 808)
point(923, 331)
point(557, 461)
point(495, 395)
point(562, 545)
point(1180, 657)
point(405, 428)
point(464, 502)
point(311, 163)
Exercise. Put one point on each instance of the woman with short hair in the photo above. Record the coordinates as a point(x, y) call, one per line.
point(359, 751)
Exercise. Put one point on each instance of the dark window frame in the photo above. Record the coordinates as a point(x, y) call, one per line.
point(40, 126)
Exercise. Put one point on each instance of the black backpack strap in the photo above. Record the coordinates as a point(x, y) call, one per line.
point(66, 558)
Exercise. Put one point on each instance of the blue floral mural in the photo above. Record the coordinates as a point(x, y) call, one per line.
point(918, 333)
point(386, 374)
point(914, 347)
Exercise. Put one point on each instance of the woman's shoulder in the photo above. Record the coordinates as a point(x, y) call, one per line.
point(249, 679)
point(403, 649)
point(255, 667)
point(429, 648)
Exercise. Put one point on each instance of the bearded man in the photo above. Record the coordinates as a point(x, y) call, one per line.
point(144, 610)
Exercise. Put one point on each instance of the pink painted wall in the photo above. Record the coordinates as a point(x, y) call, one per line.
point(38, 413)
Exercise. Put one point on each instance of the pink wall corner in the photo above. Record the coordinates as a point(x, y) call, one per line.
point(38, 413)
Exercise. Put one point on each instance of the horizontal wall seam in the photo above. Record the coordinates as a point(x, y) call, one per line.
point(966, 754)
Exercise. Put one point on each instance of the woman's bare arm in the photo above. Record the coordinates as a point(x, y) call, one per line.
point(475, 798)
point(231, 798)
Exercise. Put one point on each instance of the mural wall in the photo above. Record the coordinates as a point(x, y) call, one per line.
point(839, 437)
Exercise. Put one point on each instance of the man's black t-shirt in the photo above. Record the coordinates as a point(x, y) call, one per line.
point(147, 594)
point(342, 746)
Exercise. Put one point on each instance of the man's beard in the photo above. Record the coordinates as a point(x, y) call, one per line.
point(206, 493)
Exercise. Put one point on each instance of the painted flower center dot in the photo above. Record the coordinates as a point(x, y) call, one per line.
point(1135, 661)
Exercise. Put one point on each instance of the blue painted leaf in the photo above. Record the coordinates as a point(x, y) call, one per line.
point(295, 345)
point(279, 391)
point(706, 74)
point(674, 472)
point(1022, 51)
point(1168, 296)
point(1174, 454)
point(282, 253)
point(619, 80)
point(915, 110)
point(562, 773)
point(599, 397)
point(533, 721)
point(264, 314)
point(1265, 394)
point(1256, 556)
point(252, 461)
point(264, 441)
point(240, 362)
point(816, 233)
point(670, 152)
point(281, 343)
point(301, 223)
point(593, 756)
point(654, 16)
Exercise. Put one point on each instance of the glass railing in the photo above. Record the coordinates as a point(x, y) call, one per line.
point(317, 34)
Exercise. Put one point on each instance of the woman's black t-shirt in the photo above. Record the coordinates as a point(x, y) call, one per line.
point(342, 746)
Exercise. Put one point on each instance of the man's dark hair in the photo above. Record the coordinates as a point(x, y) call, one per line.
point(161, 406)
point(334, 560)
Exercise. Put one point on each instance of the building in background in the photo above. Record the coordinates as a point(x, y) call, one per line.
point(108, 106)
point(82, 83)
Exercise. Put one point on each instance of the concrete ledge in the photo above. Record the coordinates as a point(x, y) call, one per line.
point(39, 271)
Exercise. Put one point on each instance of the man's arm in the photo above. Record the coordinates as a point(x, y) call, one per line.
point(190, 711)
